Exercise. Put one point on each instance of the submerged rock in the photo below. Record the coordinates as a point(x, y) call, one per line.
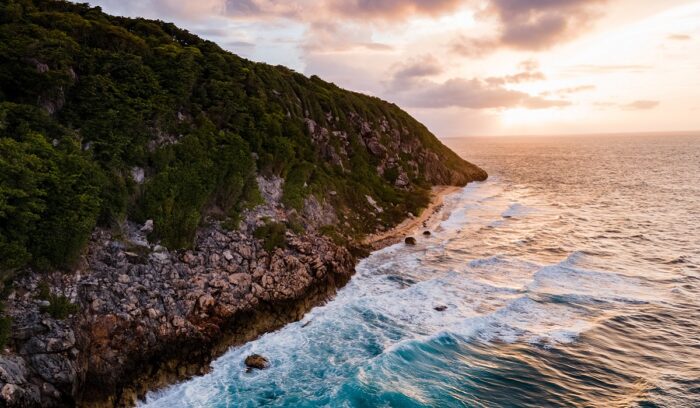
point(410, 241)
point(427, 233)
point(440, 308)
point(256, 362)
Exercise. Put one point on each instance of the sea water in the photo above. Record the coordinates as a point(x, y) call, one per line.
point(570, 278)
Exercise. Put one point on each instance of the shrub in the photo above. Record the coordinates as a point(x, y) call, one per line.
point(43, 291)
point(5, 330)
point(60, 307)
point(331, 232)
point(273, 235)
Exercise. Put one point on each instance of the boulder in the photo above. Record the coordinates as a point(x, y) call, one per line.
point(440, 308)
point(427, 233)
point(256, 362)
point(147, 227)
point(410, 241)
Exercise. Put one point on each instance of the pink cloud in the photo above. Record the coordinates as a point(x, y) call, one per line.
point(471, 94)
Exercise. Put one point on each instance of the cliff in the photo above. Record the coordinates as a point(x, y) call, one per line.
point(162, 199)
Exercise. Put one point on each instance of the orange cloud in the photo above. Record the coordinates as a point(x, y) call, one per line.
point(640, 105)
point(471, 94)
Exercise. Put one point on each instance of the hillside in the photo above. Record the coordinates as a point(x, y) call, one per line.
point(130, 144)
point(105, 118)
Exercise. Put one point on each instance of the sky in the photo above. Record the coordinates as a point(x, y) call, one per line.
point(475, 67)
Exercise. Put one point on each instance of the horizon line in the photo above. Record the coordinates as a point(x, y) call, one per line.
point(626, 133)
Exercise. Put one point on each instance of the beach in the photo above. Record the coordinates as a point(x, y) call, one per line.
point(413, 224)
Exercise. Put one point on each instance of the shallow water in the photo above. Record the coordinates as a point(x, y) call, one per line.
point(571, 278)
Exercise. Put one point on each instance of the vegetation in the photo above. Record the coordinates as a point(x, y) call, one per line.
point(60, 307)
point(273, 235)
point(331, 232)
point(5, 321)
point(87, 100)
point(5, 330)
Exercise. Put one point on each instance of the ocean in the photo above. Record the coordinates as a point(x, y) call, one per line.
point(571, 278)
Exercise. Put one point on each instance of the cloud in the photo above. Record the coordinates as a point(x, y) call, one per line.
point(419, 67)
point(391, 9)
point(562, 92)
point(313, 10)
point(190, 10)
point(679, 37)
point(531, 24)
point(238, 44)
point(605, 69)
point(640, 105)
point(264, 8)
point(471, 94)
point(410, 84)
point(375, 46)
point(529, 72)
point(576, 89)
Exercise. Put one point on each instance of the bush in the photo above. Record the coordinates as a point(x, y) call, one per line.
point(60, 307)
point(5, 330)
point(43, 291)
point(273, 235)
point(331, 232)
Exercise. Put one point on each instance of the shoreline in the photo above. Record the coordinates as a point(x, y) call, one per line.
point(321, 293)
point(375, 242)
point(396, 234)
point(154, 320)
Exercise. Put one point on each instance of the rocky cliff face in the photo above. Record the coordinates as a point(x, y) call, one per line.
point(391, 148)
point(149, 316)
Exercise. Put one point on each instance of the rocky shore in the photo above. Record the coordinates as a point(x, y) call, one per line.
point(147, 320)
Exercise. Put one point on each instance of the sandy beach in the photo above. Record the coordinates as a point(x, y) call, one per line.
point(411, 225)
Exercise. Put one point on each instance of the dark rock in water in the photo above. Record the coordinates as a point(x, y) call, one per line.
point(402, 280)
point(256, 362)
point(427, 233)
point(410, 241)
point(440, 308)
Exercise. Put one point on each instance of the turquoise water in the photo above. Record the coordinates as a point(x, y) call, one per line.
point(571, 278)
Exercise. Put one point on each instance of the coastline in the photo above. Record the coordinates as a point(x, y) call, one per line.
point(151, 320)
point(408, 226)
point(320, 294)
